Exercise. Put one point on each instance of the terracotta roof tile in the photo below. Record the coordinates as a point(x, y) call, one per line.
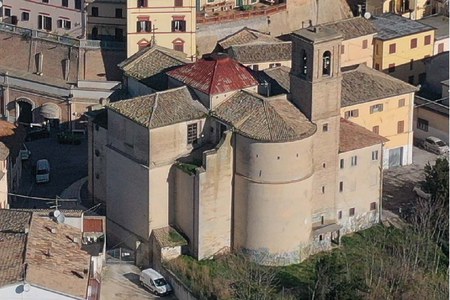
point(258, 53)
point(161, 108)
point(150, 64)
point(264, 119)
point(54, 261)
point(353, 136)
point(246, 36)
point(364, 84)
point(92, 225)
point(13, 241)
point(352, 28)
point(214, 75)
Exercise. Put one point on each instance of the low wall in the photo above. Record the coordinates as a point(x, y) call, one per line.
point(180, 290)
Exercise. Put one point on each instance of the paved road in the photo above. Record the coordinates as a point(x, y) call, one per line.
point(121, 281)
point(68, 163)
point(399, 182)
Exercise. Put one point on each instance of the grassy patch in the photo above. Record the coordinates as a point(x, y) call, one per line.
point(189, 167)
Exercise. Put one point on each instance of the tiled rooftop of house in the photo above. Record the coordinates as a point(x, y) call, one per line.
point(151, 64)
point(391, 26)
point(13, 241)
point(440, 22)
point(364, 84)
point(12, 136)
point(246, 36)
point(352, 28)
point(257, 53)
point(54, 261)
point(161, 108)
point(280, 77)
point(353, 136)
point(92, 224)
point(30, 251)
point(216, 74)
point(264, 119)
point(168, 237)
point(4, 151)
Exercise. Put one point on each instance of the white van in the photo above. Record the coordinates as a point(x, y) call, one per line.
point(155, 282)
point(42, 171)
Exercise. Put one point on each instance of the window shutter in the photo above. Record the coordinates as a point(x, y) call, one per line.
point(173, 26)
point(39, 22)
point(138, 26)
point(148, 26)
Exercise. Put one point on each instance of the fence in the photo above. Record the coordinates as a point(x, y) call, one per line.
point(239, 15)
point(62, 39)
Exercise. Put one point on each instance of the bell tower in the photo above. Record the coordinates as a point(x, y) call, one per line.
point(316, 91)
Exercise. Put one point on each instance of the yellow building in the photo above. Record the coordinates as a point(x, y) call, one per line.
point(171, 25)
point(400, 47)
point(411, 9)
point(384, 105)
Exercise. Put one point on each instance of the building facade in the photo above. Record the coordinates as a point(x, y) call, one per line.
point(157, 22)
point(106, 20)
point(61, 17)
point(278, 177)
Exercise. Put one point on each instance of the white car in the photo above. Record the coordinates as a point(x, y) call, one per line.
point(435, 145)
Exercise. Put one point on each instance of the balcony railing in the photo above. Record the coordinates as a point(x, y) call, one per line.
point(62, 39)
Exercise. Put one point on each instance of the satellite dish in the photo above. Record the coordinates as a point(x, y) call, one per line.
point(56, 213)
point(367, 15)
point(1, 3)
point(61, 218)
point(26, 287)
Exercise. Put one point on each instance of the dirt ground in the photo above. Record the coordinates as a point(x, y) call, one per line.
point(399, 182)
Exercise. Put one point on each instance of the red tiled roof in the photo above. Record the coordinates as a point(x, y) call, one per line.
point(92, 225)
point(214, 75)
point(353, 136)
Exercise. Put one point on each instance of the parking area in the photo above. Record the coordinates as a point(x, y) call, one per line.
point(399, 182)
point(68, 163)
point(121, 281)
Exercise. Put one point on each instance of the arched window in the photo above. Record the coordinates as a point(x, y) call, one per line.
point(304, 62)
point(326, 64)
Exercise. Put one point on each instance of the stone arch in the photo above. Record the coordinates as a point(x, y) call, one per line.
point(326, 63)
point(21, 109)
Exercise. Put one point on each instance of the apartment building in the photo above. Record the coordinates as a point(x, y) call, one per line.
point(106, 20)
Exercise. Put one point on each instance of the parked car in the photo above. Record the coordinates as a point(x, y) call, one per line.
point(435, 145)
point(36, 133)
point(42, 171)
point(155, 282)
point(24, 153)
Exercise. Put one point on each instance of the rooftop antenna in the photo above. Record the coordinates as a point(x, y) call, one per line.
point(57, 214)
point(153, 35)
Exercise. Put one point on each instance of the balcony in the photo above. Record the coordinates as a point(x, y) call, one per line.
point(225, 12)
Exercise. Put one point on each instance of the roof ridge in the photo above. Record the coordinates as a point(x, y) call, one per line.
point(269, 123)
point(154, 107)
point(213, 77)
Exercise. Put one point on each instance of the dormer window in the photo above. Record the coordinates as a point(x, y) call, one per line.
point(326, 67)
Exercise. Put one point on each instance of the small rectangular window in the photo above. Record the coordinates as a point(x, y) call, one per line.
point(351, 212)
point(427, 40)
point(119, 13)
point(401, 102)
point(376, 108)
point(342, 163)
point(25, 16)
point(377, 67)
point(376, 129)
point(441, 48)
point(77, 4)
point(373, 206)
point(354, 113)
point(392, 48)
point(255, 67)
point(422, 124)
point(341, 186)
point(65, 3)
point(191, 133)
point(364, 44)
point(400, 126)
point(323, 190)
point(325, 127)
point(44, 1)
point(178, 3)
point(391, 68)
point(178, 26)
point(411, 79)
point(340, 214)
point(342, 49)
point(375, 155)
point(7, 12)
point(141, 3)
point(413, 43)
point(94, 11)
point(354, 160)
